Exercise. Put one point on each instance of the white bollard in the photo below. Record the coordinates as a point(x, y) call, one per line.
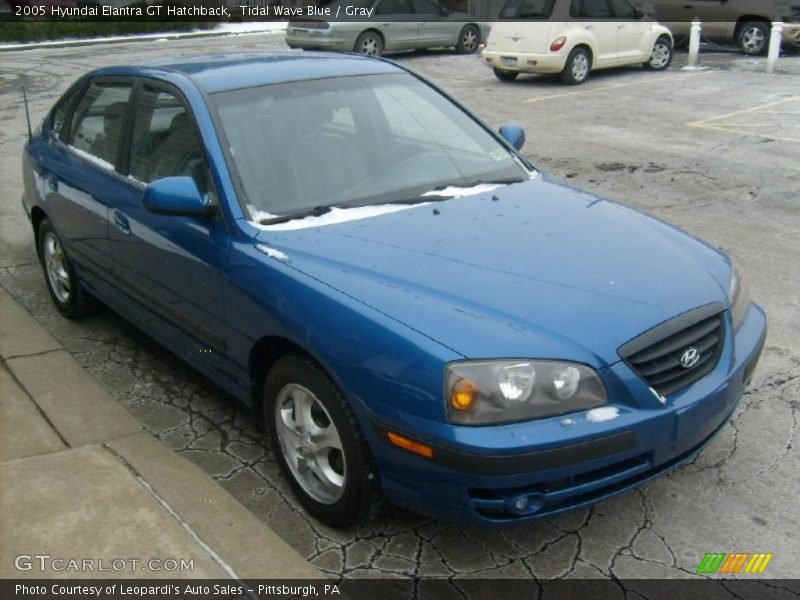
point(694, 42)
point(774, 46)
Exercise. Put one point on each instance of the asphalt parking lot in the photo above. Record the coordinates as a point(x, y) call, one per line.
point(714, 151)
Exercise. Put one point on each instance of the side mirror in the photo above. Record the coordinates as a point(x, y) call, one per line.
point(514, 134)
point(175, 196)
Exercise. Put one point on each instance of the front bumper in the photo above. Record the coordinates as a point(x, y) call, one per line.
point(521, 62)
point(538, 469)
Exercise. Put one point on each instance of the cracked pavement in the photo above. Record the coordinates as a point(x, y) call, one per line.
point(622, 135)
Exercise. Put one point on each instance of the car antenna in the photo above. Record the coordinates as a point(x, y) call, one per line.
point(27, 113)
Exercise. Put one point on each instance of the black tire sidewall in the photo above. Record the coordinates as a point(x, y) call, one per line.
point(566, 75)
point(358, 496)
point(505, 75)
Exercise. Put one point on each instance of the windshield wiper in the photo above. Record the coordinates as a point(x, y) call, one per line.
point(316, 211)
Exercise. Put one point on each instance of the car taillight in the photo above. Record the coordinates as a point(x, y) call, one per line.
point(302, 24)
point(558, 44)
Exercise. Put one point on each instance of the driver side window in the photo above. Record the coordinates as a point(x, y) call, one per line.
point(165, 141)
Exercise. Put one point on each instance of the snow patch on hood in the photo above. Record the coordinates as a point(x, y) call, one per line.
point(272, 252)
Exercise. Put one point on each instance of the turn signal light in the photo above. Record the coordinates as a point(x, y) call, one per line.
point(405, 443)
point(558, 44)
point(464, 394)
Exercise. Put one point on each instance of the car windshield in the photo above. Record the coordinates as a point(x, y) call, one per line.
point(350, 141)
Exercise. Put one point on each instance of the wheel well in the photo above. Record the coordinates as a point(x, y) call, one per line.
point(588, 49)
point(380, 35)
point(748, 19)
point(37, 216)
point(264, 353)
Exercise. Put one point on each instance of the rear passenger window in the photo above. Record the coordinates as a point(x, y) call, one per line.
point(595, 9)
point(165, 141)
point(99, 118)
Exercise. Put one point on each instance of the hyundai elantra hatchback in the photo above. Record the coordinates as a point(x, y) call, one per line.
point(405, 301)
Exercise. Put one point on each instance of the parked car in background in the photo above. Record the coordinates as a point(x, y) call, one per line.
point(406, 302)
point(415, 25)
point(746, 23)
point(573, 38)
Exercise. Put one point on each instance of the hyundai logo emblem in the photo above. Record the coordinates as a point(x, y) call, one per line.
point(690, 358)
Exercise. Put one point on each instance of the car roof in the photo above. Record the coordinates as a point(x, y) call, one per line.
point(236, 71)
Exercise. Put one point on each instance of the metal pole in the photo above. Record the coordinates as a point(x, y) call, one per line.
point(694, 42)
point(774, 46)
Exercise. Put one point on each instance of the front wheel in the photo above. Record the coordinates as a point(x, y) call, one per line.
point(752, 38)
point(661, 56)
point(468, 40)
point(579, 63)
point(318, 443)
point(71, 300)
point(505, 75)
point(369, 43)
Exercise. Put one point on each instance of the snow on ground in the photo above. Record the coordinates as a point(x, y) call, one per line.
point(247, 28)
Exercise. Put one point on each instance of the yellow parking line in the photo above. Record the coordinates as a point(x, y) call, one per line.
point(611, 87)
point(728, 128)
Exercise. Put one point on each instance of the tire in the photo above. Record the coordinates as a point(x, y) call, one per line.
point(578, 67)
point(65, 288)
point(369, 43)
point(661, 56)
point(505, 75)
point(752, 38)
point(468, 40)
point(335, 482)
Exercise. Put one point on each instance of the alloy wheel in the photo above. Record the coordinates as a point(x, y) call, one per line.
point(753, 40)
point(56, 267)
point(370, 46)
point(469, 40)
point(660, 56)
point(310, 443)
point(580, 67)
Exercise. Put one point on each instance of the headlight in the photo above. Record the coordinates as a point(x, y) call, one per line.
point(739, 296)
point(501, 391)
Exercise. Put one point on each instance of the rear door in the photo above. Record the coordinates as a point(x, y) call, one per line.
point(602, 28)
point(82, 177)
point(714, 14)
point(402, 32)
point(632, 33)
point(434, 30)
point(171, 264)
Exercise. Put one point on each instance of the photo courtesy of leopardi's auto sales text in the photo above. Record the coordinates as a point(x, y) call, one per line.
point(399, 299)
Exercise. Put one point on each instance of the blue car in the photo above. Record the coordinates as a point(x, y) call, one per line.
point(408, 305)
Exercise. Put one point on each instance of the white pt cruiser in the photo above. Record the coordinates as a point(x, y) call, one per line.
point(573, 37)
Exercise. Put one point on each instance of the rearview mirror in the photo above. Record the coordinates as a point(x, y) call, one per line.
point(514, 134)
point(175, 196)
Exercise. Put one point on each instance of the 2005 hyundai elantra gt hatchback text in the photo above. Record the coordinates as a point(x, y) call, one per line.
point(403, 299)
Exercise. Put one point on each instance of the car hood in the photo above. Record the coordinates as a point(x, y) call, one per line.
point(536, 269)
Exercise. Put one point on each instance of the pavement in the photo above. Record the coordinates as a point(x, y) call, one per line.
point(82, 480)
point(712, 151)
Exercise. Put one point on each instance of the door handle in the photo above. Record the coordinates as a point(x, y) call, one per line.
point(589, 27)
point(620, 26)
point(121, 223)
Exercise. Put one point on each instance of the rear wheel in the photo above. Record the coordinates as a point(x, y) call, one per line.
point(468, 40)
point(318, 443)
point(752, 37)
point(369, 43)
point(661, 57)
point(65, 288)
point(505, 75)
point(579, 63)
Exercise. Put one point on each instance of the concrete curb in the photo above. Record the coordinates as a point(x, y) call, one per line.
point(81, 479)
point(128, 39)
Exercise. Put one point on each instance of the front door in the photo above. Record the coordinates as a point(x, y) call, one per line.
point(602, 28)
point(171, 264)
point(402, 32)
point(632, 33)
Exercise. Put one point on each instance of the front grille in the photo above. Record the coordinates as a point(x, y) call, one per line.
point(656, 355)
